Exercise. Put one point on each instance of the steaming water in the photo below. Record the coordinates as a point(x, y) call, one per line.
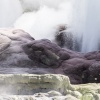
point(41, 17)
point(42, 21)
point(92, 26)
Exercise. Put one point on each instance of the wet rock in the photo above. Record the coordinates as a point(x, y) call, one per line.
point(64, 38)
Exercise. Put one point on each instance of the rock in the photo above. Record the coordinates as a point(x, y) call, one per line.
point(97, 96)
point(63, 61)
point(76, 94)
point(66, 39)
point(45, 87)
point(45, 52)
point(20, 51)
point(87, 96)
point(63, 55)
point(26, 84)
point(41, 95)
point(93, 55)
point(60, 39)
point(94, 73)
point(11, 52)
point(67, 97)
point(75, 68)
point(54, 93)
point(4, 43)
point(63, 38)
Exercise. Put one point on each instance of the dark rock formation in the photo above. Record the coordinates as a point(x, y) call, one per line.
point(75, 69)
point(63, 38)
point(93, 55)
point(19, 50)
point(44, 52)
point(66, 39)
point(63, 61)
point(93, 73)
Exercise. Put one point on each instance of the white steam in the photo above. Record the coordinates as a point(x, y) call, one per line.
point(41, 17)
point(43, 22)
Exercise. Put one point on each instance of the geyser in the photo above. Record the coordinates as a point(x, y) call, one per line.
point(41, 17)
point(92, 26)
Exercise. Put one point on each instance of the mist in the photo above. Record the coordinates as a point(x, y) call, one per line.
point(41, 18)
point(42, 23)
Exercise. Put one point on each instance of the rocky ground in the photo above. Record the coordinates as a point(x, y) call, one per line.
point(39, 69)
point(19, 50)
point(45, 87)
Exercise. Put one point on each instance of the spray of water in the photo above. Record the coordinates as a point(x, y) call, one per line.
point(92, 26)
point(41, 23)
point(41, 17)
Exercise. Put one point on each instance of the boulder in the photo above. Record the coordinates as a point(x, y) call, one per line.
point(94, 73)
point(75, 69)
point(46, 53)
point(11, 52)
